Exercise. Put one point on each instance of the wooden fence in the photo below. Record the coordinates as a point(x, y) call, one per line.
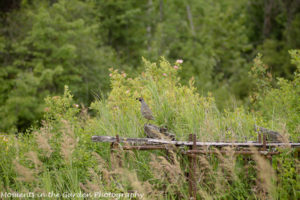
point(195, 148)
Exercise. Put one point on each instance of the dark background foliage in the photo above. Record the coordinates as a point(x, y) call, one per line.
point(47, 44)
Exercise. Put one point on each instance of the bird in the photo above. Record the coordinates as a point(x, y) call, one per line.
point(272, 136)
point(156, 132)
point(145, 110)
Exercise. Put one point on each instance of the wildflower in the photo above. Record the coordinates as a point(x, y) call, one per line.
point(47, 109)
point(127, 91)
point(75, 105)
point(179, 61)
point(175, 67)
point(124, 74)
point(164, 74)
point(110, 74)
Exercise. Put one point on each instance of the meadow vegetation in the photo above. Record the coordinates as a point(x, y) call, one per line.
point(71, 69)
point(60, 157)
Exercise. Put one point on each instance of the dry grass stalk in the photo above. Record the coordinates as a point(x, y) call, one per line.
point(204, 170)
point(95, 185)
point(92, 186)
point(39, 190)
point(228, 163)
point(46, 130)
point(43, 144)
point(33, 157)
point(102, 167)
point(212, 182)
point(208, 178)
point(163, 169)
point(116, 156)
point(25, 174)
point(169, 173)
point(204, 194)
point(69, 141)
point(221, 182)
point(100, 160)
point(84, 116)
point(42, 138)
point(284, 134)
point(84, 188)
point(265, 175)
point(130, 155)
point(131, 178)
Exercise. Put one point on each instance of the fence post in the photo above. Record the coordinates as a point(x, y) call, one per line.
point(259, 137)
point(268, 156)
point(264, 142)
point(115, 153)
point(192, 168)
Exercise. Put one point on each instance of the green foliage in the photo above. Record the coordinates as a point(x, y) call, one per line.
point(176, 106)
point(59, 108)
point(203, 32)
point(122, 25)
point(273, 27)
point(261, 79)
point(295, 59)
point(280, 105)
point(58, 49)
point(287, 175)
point(54, 158)
point(45, 45)
point(60, 156)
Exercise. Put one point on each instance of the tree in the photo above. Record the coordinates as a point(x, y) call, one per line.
point(60, 48)
point(273, 28)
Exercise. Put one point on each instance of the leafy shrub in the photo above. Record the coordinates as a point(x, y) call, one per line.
point(280, 105)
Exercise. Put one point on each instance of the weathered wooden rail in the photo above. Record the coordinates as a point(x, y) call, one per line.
point(195, 148)
point(150, 141)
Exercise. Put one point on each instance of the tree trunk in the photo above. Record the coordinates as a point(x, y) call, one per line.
point(149, 27)
point(190, 18)
point(267, 17)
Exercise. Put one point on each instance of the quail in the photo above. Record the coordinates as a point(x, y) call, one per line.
point(145, 110)
point(153, 131)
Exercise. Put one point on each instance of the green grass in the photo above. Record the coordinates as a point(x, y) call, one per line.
point(60, 157)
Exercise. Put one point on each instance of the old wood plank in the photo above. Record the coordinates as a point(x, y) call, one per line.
point(186, 143)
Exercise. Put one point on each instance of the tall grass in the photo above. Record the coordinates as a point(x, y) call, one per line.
point(59, 156)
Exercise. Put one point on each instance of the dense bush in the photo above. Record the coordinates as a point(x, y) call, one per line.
point(279, 104)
